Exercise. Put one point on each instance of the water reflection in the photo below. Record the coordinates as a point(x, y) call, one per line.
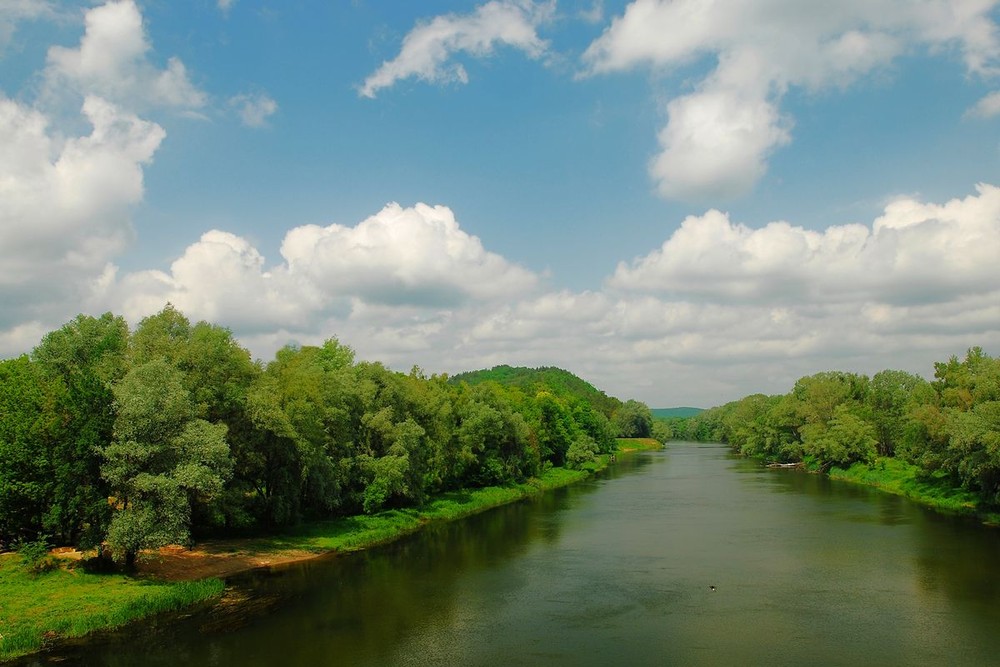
point(619, 570)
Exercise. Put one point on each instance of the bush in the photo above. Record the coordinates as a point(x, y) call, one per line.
point(582, 451)
point(35, 556)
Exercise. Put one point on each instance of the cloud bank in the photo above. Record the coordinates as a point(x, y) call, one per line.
point(719, 310)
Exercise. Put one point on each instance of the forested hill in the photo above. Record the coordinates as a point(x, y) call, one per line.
point(530, 380)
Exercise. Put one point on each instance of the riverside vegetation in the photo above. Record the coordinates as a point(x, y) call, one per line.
point(936, 442)
point(124, 441)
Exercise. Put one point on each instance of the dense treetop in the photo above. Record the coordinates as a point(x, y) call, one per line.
point(137, 439)
point(556, 380)
point(949, 427)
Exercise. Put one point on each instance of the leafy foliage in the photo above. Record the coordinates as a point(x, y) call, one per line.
point(949, 428)
point(145, 438)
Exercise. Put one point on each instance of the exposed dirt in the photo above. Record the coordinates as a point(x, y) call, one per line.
point(212, 558)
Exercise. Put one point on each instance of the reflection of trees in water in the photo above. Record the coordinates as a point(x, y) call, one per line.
point(355, 608)
point(958, 557)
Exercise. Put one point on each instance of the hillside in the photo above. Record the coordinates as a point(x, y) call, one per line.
point(556, 380)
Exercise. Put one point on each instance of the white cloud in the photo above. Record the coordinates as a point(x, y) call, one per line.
point(427, 48)
point(396, 268)
point(65, 203)
point(719, 137)
point(987, 107)
point(719, 311)
point(255, 109)
point(413, 255)
point(914, 252)
point(112, 61)
point(716, 144)
point(226, 5)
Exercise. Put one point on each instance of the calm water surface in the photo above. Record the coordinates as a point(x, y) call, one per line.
point(618, 571)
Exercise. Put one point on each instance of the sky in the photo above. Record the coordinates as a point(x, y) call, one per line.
point(681, 201)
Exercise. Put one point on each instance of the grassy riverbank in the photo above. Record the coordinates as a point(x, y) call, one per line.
point(904, 479)
point(36, 609)
point(638, 444)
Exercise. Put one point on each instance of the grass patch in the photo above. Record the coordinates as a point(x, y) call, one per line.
point(38, 608)
point(637, 444)
point(904, 479)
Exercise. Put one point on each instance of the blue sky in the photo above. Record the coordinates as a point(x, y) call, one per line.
point(683, 201)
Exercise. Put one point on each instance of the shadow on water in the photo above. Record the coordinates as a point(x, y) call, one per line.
point(619, 570)
point(341, 609)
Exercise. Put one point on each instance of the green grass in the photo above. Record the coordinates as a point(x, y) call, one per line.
point(34, 609)
point(636, 444)
point(904, 479)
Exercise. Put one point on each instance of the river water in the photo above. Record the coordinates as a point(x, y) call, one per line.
point(619, 570)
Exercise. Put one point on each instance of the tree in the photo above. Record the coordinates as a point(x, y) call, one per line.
point(847, 439)
point(555, 429)
point(81, 361)
point(493, 439)
point(25, 464)
point(162, 461)
point(582, 451)
point(889, 401)
point(633, 420)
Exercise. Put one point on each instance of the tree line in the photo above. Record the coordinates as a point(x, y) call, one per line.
point(136, 439)
point(949, 427)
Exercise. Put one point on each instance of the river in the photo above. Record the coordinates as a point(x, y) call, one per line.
point(620, 570)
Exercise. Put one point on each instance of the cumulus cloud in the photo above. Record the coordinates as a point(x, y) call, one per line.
point(407, 263)
point(718, 138)
point(254, 110)
point(428, 48)
point(718, 311)
point(65, 202)
point(112, 61)
point(915, 252)
point(987, 107)
point(403, 255)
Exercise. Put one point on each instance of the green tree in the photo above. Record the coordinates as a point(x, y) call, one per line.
point(494, 440)
point(633, 420)
point(85, 358)
point(555, 429)
point(890, 401)
point(162, 460)
point(25, 462)
point(582, 451)
point(847, 439)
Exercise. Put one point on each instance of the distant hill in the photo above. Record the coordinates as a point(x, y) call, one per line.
point(556, 380)
point(666, 413)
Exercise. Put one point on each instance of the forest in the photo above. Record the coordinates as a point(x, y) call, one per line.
point(947, 429)
point(138, 439)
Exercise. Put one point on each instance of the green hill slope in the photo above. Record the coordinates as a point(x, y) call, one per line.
point(555, 380)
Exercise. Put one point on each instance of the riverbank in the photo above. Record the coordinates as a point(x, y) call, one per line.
point(37, 609)
point(904, 479)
